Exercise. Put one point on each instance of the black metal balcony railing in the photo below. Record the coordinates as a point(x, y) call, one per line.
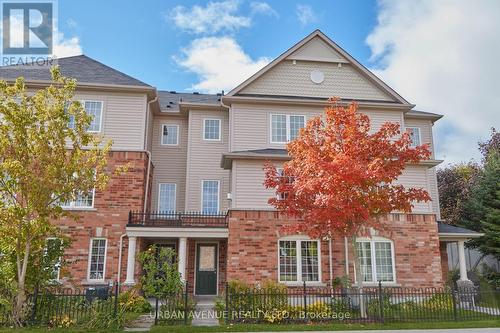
point(178, 219)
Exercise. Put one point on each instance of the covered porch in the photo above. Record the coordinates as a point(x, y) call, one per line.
point(453, 234)
point(199, 240)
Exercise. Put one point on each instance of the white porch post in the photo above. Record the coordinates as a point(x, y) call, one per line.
point(461, 261)
point(132, 241)
point(182, 257)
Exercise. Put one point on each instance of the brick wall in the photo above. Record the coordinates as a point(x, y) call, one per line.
point(108, 219)
point(253, 248)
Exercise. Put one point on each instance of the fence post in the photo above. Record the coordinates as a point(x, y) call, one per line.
point(115, 311)
point(454, 294)
point(305, 301)
point(35, 300)
point(226, 315)
point(186, 304)
point(380, 302)
point(156, 310)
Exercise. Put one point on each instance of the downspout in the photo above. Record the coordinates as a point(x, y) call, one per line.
point(346, 252)
point(330, 259)
point(120, 251)
point(146, 193)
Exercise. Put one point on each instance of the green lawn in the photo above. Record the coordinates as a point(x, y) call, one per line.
point(324, 327)
point(276, 328)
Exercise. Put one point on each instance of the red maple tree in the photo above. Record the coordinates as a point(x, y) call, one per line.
point(340, 178)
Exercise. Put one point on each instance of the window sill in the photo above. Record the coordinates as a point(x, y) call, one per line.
point(384, 284)
point(95, 283)
point(84, 209)
point(301, 284)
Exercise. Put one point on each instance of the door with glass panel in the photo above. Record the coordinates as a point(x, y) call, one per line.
point(206, 269)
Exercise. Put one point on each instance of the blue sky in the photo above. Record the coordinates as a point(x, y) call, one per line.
point(143, 40)
point(441, 55)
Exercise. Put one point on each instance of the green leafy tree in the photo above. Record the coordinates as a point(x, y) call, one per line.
point(483, 208)
point(160, 278)
point(47, 157)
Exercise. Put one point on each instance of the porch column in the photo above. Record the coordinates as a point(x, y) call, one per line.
point(461, 261)
point(132, 241)
point(182, 257)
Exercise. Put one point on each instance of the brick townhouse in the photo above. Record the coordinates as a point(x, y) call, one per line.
point(195, 177)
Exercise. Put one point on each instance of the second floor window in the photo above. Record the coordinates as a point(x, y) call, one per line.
point(285, 128)
point(170, 135)
point(210, 196)
point(166, 197)
point(80, 201)
point(94, 109)
point(414, 136)
point(211, 129)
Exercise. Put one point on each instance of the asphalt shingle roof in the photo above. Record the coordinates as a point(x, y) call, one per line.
point(84, 69)
point(169, 100)
point(451, 229)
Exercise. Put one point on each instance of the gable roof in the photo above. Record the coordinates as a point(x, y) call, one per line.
point(336, 54)
point(84, 69)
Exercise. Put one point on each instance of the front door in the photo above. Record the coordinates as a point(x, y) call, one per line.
point(206, 269)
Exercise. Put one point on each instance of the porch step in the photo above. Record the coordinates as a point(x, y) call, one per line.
point(205, 312)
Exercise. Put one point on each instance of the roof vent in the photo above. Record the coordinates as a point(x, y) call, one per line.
point(219, 94)
point(196, 93)
point(170, 102)
point(168, 106)
point(172, 92)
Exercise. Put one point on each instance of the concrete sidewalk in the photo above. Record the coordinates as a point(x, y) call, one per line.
point(448, 330)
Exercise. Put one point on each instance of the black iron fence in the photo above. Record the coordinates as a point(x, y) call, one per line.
point(174, 308)
point(178, 219)
point(379, 304)
point(64, 307)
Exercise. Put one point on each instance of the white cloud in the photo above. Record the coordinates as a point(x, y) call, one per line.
point(66, 47)
point(214, 17)
point(443, 56)
point(219, 62)
point(258, 7)
point(305, 14)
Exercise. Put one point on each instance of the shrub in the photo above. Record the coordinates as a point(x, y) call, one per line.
point(132, 301)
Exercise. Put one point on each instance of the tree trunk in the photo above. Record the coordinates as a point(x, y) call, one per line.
point(359, 277)
point(20, 302)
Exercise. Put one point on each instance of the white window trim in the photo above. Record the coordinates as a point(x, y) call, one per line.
point(176, 139)
point(72, 206)
point(220, 129)
point(102, 113)
point(90, 259)
point(175, 196)
point(218, 192)
point(298, 239)
point(287, 126)
point(417, 129)
point(372, 242)
point(58, 278)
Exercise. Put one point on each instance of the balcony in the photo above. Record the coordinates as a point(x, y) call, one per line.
point(178, 219)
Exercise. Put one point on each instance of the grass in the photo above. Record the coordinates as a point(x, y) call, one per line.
point(275, 327)
point(324, 327)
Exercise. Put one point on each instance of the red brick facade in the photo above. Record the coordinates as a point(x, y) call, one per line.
point(253, 248)
point(107, 219)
